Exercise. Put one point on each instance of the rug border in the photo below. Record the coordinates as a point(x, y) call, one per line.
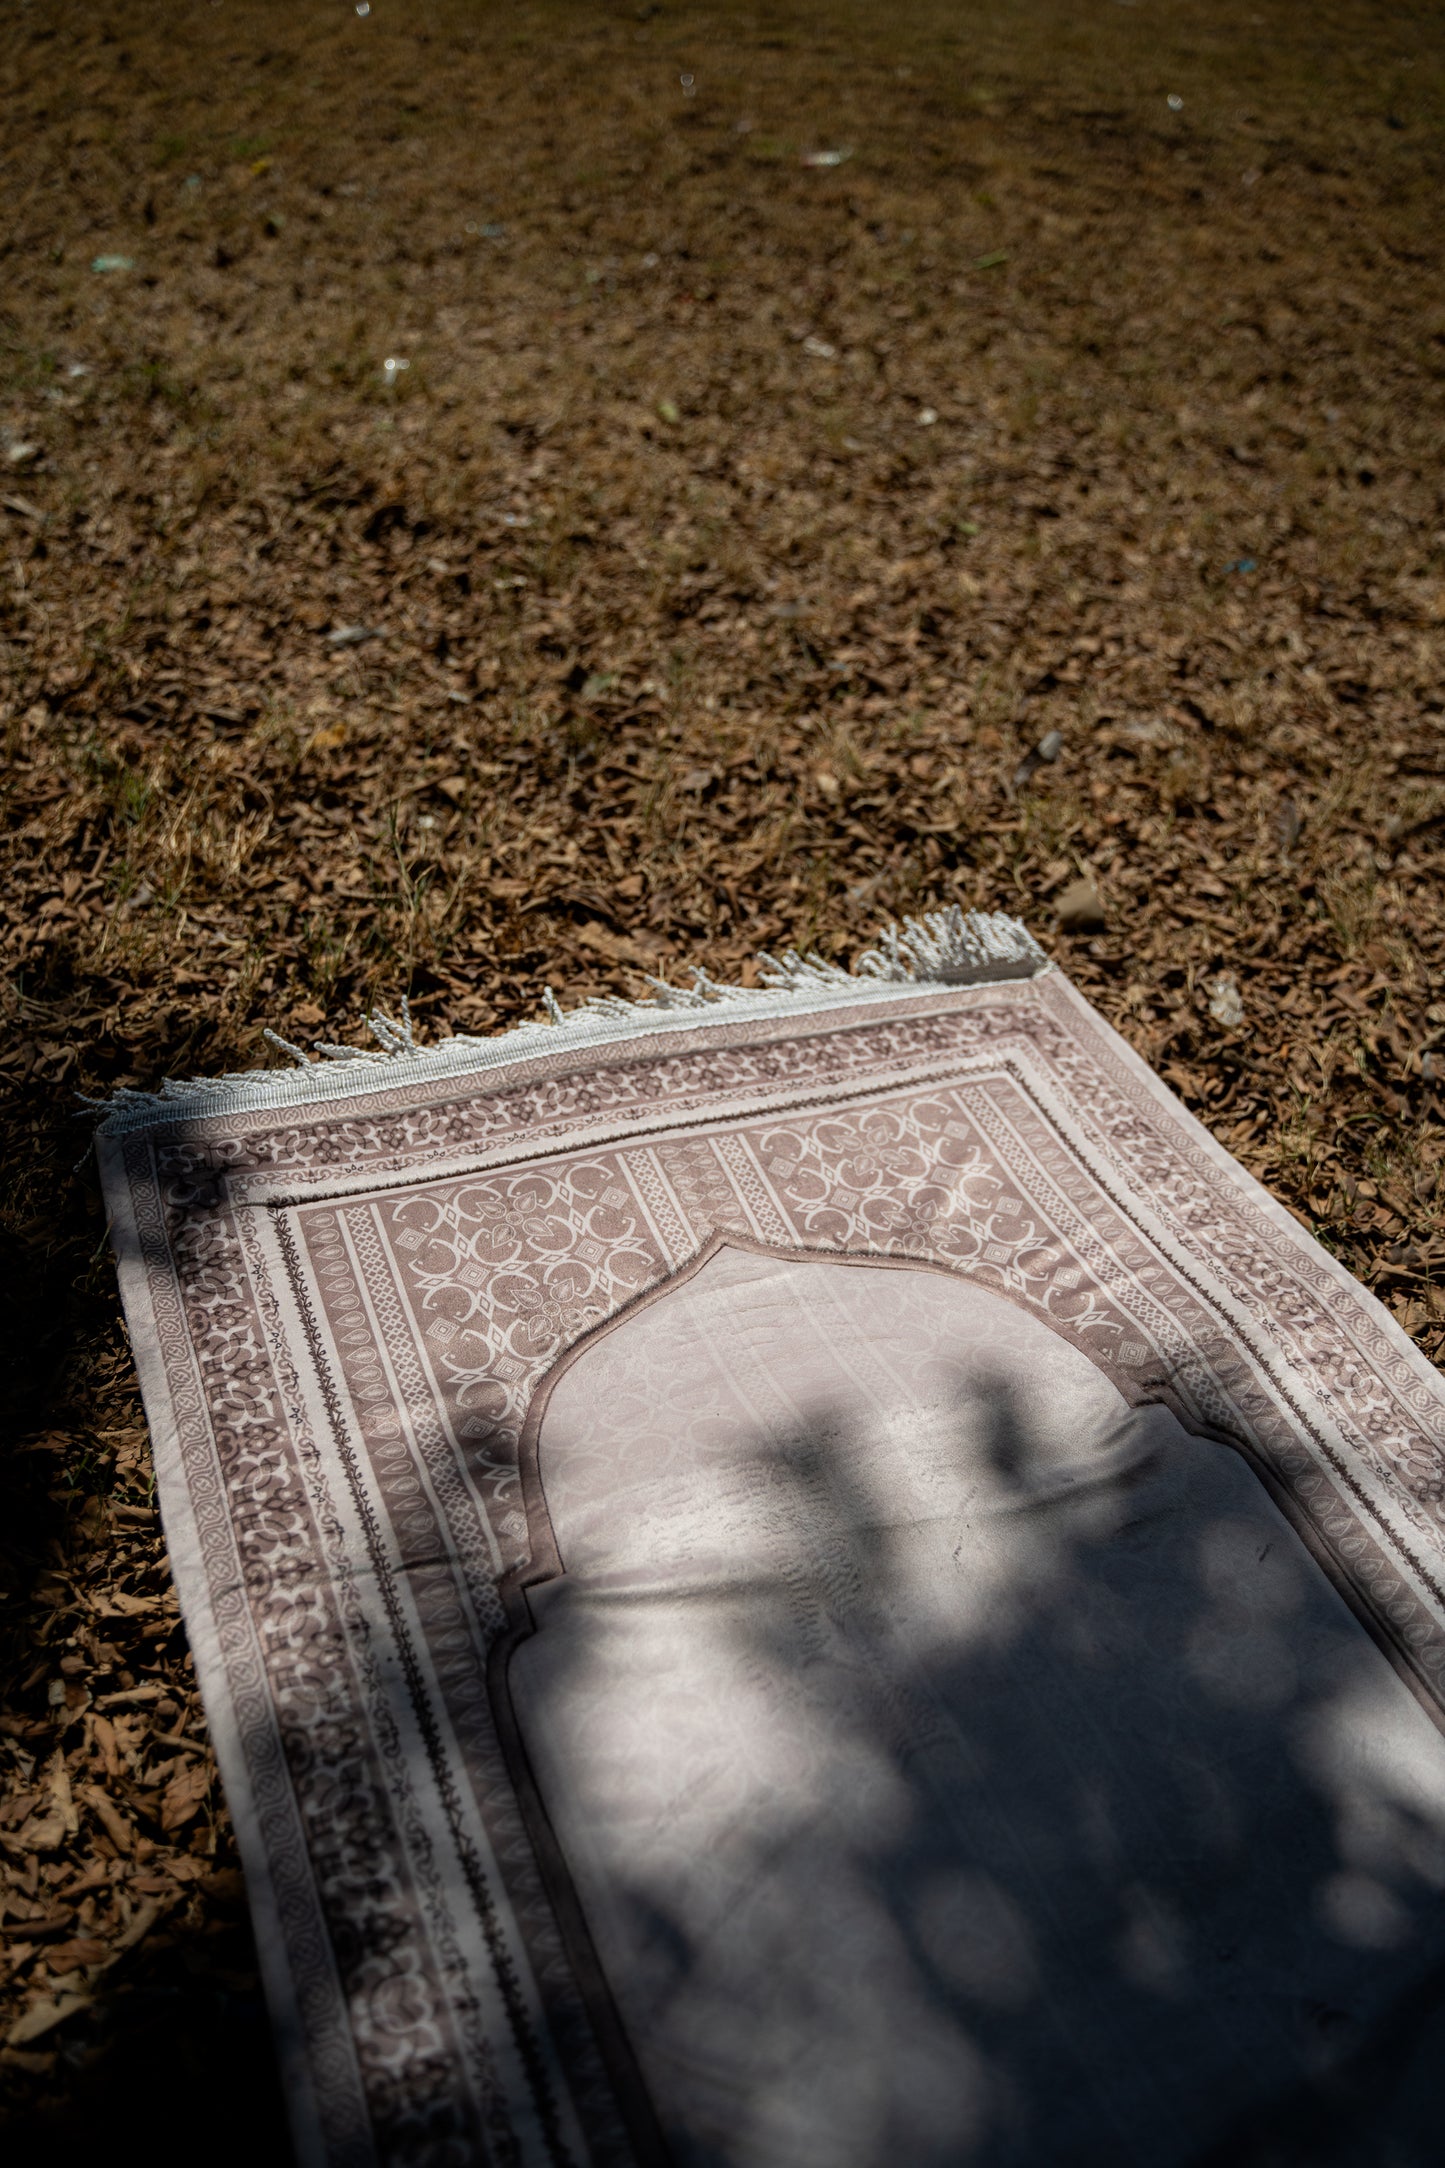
point(1252, 1186)
point(185, 1561)
point(581, 1031)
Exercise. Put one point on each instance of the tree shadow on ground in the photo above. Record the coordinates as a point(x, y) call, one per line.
point(1058, 1813)
point(175, 2035)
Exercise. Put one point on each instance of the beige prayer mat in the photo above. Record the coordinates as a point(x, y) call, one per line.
point(812, 1578)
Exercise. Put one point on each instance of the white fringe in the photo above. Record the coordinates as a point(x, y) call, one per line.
point(944, 948)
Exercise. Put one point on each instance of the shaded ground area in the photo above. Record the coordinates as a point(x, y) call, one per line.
point(735, 531)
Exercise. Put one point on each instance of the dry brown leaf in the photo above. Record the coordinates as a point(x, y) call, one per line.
point(83, 1951)
point(142, 1920)
point(617, 948)
point(117, 1827)
point(43, 1832)
point(184, 1795)
point(1080, 908)
point(43, 2016)
point(118, 1603)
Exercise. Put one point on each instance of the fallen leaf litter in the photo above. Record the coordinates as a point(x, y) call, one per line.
point(837, 485)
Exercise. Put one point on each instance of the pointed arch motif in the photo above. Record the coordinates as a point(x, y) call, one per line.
point(821, 1657)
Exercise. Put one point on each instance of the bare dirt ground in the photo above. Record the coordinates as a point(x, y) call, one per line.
point(484, 507)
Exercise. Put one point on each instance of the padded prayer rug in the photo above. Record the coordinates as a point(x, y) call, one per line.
point(800, 1578)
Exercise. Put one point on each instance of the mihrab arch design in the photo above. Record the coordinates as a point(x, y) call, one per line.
point(932, 1756)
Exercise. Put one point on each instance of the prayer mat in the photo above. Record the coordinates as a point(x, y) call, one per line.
point(800, 1578)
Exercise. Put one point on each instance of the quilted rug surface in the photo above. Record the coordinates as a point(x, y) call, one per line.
point(807, 1579)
